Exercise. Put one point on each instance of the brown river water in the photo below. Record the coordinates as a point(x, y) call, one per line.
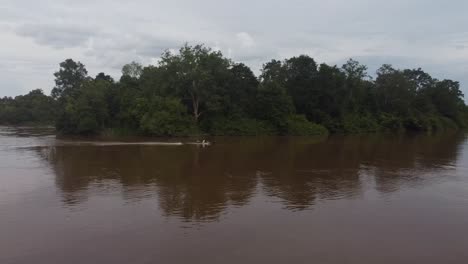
point(345, 199)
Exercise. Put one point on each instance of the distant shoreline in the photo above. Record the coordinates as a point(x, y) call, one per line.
point(199, 91)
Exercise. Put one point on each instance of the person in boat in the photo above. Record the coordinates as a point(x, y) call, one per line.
point(203, 143)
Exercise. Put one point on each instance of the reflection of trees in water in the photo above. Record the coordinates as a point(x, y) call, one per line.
point(198, 184)
point(411, 160)
point(190, 182)
point(303, 173)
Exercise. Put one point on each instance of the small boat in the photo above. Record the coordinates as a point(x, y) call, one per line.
point(203, 143)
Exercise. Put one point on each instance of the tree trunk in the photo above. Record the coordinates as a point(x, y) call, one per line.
point(195, 103)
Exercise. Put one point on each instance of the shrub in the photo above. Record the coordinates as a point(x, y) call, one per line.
point(298, 125)
point(87, 125)
point(445, 123)
point(390, 122)
point(241, 127)
point(167, 117)
point(359, 123)
point(429, 123)
point(417, 123)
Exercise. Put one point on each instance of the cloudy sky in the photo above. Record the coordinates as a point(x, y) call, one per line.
point(35, 36)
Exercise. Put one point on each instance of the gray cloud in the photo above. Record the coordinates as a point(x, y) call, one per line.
point(104, 35)
point(57, 35)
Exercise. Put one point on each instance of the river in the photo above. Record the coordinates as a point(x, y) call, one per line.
point(345, 199)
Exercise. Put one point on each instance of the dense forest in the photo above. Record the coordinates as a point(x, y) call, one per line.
point(199, 91)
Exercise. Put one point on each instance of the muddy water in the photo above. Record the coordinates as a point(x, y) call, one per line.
point(354, 199)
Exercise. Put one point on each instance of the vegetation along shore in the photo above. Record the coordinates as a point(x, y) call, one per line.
point(199, 91)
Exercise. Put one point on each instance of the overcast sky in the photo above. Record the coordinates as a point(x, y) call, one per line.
point(35, 36)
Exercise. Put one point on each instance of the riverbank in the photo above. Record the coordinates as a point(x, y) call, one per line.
point(198, 91)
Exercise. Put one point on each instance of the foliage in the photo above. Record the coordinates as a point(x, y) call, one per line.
point(32, 108)
point(359, 123)
point(166, 117)
point(69, 78)
point(197, 75)
point(198, 90)
point(87, 112)
point(241, 127)
point(298, 125)
point(274, 105)
point(132, 70)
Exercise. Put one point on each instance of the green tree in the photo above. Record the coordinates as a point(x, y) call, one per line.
point(32, 108)
point(395, 92)
point(198, 75)
point(359, 96)
point(197, 89)
point(331, 96)
point(241, 89)
point(165, 117)
point(69, 78)
point(87, 111)
point(300, 80)
point(273, 71)
point(104, 77)
point(448, 98)
point(132, 70)
point(274, 105)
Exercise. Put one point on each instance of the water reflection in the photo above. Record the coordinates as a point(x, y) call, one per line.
point(198, 184)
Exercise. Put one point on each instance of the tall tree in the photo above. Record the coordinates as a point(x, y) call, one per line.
point(394, 91)
point(104, 77)
point(69, 78)
point(274, 105)
point(273, 71)
point(301, 82)
point(240, 91)
point(132, 69)
point(331, 95)
point(448, 98)
point(198, 75)
point(357, 86)
point(87, 112)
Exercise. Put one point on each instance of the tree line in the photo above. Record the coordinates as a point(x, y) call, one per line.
point(199, 91)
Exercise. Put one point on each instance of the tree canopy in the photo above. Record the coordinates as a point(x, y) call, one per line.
point(198, 90)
